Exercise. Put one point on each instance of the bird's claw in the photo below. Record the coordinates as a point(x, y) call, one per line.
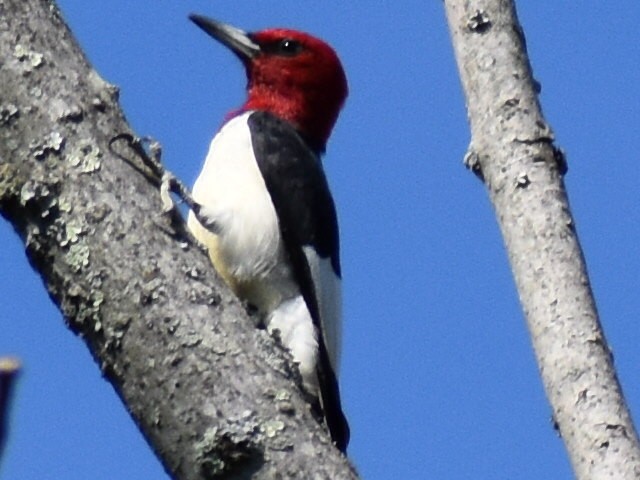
point(168, 205)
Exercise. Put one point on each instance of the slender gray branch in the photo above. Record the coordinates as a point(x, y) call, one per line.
point(214, 396)
point(512, 150)
point(9, 370)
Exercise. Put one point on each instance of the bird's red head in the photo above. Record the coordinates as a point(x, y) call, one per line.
point(291, 74)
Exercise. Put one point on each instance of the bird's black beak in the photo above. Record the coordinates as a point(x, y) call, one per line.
point(235, 39)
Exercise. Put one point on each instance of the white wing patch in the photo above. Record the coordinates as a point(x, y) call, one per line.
point(329, 296)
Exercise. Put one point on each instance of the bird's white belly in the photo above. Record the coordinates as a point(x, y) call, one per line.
point(247, 248)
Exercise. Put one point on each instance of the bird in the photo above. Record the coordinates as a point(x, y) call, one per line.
point(265, 211)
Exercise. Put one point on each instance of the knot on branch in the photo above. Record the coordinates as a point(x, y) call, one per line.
point(222, 451)
point(479, 22)
point(472, 162)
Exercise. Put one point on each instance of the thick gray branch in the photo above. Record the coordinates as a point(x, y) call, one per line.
point(213, 395)
point(512, 151)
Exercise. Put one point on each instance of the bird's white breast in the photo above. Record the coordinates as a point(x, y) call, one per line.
point(247, 248)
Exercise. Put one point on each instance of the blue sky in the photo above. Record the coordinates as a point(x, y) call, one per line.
point(438, 376)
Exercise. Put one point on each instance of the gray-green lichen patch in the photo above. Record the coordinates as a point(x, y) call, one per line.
point(36, 92)
point(113, 336)
point(33, 190)
point(86, 158)
point(64, 205)
point(51, 143)
point(98, 213)
point(83, 306)
point(78, 257)
point(40, 194)
point(152, 291)
point(71, 233)
point(283, 402)
point(271, 428)
point(97, 298)
point(212, 465)
point(120, 325)
point(29, 58)
point(282, 396)
point(7, 179)
point(8, 112)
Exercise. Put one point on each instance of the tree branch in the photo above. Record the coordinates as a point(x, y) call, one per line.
point(9, 370)
point(512, 150)
point(213, 395)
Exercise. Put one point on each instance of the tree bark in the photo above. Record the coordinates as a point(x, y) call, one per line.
point(214, 396)
point(9, 370)
point(512, 151)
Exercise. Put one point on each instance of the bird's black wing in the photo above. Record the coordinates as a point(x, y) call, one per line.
point(300, 194)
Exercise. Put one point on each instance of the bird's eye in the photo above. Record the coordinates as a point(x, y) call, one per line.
point(288, 47)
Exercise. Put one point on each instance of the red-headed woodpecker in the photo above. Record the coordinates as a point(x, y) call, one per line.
point(271, 227)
